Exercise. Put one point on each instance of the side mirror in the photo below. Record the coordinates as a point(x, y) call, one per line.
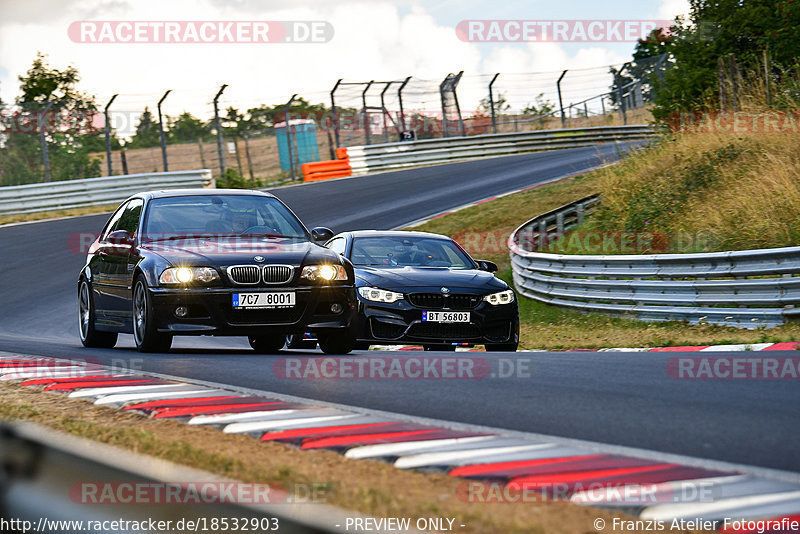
point(320, 234)
point(120, 238)
point(486, 265)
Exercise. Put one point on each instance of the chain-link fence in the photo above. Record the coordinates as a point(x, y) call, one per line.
point(246, 143)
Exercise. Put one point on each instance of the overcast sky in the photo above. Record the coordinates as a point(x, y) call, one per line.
point(377, 39)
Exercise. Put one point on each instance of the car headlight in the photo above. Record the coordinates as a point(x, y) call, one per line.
point(324, 273)
point(187, 275)
point(379, 295)
point(502, 297)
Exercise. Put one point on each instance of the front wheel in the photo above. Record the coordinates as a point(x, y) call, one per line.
point(502, 347)
point(147, 337)
point(338, 342)
point(266, 344)
point(90, 337)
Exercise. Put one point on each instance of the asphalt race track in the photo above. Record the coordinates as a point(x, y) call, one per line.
point(624, 398)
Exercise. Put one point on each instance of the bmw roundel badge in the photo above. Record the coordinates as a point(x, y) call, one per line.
point(445, 290)
point(259, 258)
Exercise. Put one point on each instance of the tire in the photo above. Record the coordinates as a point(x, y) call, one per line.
point(266, 344)
point(297, 341)
point(502, 347)
point(90, 337)
point(340, 342)
point(441, 347)
point(362, 346)
point(147, 338)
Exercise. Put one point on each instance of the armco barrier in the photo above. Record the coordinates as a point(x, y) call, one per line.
point(372, 158)
point(94, 191)
point(747, 289)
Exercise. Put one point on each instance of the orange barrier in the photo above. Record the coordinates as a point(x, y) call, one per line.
point(325, 170)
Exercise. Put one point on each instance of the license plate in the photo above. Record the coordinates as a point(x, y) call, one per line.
point(445, 317)
point(246, 301)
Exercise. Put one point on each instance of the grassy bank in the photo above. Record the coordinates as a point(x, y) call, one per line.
point(707, 192)
point(484, 229)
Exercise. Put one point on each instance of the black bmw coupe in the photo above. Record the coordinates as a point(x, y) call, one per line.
point(422, 288)
point(214, 262)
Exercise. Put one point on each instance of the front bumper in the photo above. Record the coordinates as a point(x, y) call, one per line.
point(400, 322)
point(210, 311)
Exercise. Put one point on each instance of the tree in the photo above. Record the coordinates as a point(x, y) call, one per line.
point(147, 134)
point(540, 107)
point(188, 128)
point(501, 104)
point(716, 29)
point(71, 126)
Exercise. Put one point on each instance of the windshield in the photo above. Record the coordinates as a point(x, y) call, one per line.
point(404, 251)
point(220, 215)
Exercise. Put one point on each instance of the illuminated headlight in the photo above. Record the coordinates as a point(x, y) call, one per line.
point(187, 275)
point(379, 295)
point(325, 273)
point(503, 297)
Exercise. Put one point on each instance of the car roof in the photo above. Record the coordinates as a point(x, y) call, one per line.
point(396, 233)
point(161, 193)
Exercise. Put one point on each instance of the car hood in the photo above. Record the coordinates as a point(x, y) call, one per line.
point(401, 279)
point(233, 251)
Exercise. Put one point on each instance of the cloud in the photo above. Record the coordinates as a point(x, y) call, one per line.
point(373, 40)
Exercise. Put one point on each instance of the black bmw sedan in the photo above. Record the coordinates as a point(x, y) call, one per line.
point(422, 288)
point(214, 262)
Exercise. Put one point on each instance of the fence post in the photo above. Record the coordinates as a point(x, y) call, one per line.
point(364, 112)
point(289, 135)
point(333, 112)
point(491, 103)
point(247, 155)
point(220, 153)
point(108, 135)
point(383, 111)
point(161, 130)
point(561, 102)
point(400, 98)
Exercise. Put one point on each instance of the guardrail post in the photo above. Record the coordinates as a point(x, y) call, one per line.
point(560, 223)
point(220, 153)
point(162, 137)
point(560, 101)
point(108, 135)
point(542, 234)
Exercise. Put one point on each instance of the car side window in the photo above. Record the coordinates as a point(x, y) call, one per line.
point(113, 221)
point(130, 216)
point(338, 245)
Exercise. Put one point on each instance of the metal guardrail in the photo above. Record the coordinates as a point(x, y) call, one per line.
point(372, 158)
point(747, 289)
point(69, 194)
point(44, 471)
